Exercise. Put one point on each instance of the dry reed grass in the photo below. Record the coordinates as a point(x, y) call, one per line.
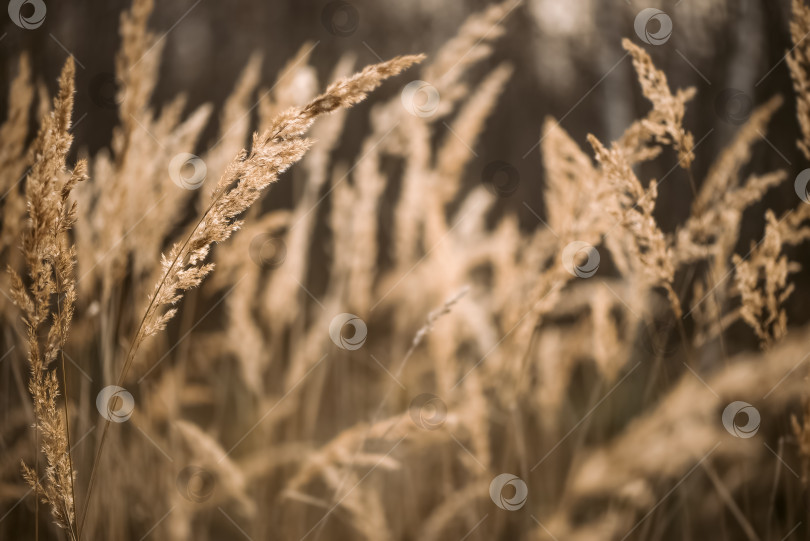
point(486, 351)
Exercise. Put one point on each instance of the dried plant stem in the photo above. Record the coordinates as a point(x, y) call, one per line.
point(36, 486)
point(687, 344)
point(375, 421)
point(62, 339)
point(67, 436)
point(131, 355)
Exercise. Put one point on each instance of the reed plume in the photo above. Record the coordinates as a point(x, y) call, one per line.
point(50, 260)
